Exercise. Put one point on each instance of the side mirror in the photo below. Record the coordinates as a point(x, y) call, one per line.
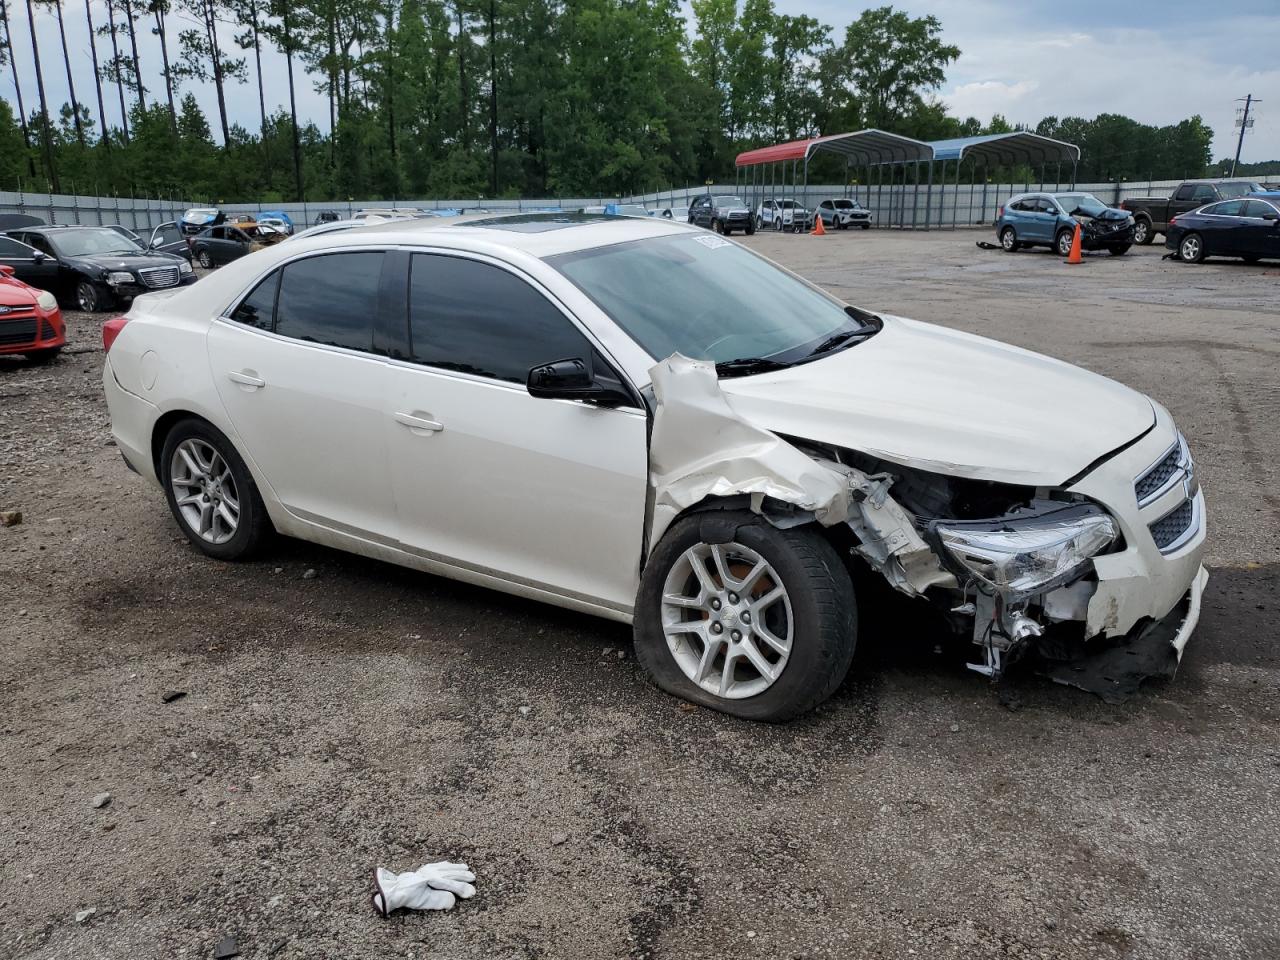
point(157, 243)
point(38, 256)
point(569, 379)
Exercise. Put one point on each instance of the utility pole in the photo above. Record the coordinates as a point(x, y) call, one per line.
point(1244, 124)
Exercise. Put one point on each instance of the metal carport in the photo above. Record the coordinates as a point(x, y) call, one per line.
point(996, 151)
point(762, 173)
point(922, 201)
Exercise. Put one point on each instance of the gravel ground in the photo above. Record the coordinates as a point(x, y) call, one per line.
point(370, 715)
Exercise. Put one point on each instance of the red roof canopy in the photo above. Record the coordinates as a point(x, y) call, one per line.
point(867, 146)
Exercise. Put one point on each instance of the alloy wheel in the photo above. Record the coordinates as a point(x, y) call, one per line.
point(86, 297)
point(727, 619)
point(1190, 249)
point(1007, 238)
point(205, 260)
point(204, 490)
point(1064, 243)
point(1140, 231)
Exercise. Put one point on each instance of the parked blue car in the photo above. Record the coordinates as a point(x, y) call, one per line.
point(1049, 220)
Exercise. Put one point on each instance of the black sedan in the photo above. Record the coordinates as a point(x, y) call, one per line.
point(91, 267)
point(1247, 228)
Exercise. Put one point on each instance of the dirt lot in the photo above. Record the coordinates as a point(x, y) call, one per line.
point(369, 715)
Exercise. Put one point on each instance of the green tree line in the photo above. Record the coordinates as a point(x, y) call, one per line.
point(486, 97)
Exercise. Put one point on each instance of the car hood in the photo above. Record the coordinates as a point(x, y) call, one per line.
point(121, 261)
point(949, 402)
point(16, 295)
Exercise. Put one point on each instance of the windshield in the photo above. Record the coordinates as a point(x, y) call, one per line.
point(1229, 191)
point(707, 298)
point(728, 202)
point(786, 204)
point(632, 210)
point(83, 242)
point(1085, 203)
point(844, 204)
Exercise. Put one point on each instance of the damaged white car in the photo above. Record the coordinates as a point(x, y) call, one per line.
point(637, 419)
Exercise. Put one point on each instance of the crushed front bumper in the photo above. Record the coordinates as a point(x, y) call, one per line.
point(1114, 669)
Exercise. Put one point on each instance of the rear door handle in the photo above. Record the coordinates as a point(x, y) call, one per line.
point(417, 424)
point(245, 379)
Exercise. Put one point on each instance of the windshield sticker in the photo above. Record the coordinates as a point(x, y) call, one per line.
point(712, 243)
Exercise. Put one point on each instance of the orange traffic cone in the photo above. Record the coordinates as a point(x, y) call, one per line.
point(1074, 256)
point(818, 229)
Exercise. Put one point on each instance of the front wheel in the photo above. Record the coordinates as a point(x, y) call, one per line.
point(1142, 232)
point(740, 616)
point(1119, 249)
point(866, 226)
point(717, 226)
point(206, 261)
point(759, 224)
point(1191, 249)
point(1063, 242)
point(211, 492)
point(91, 298)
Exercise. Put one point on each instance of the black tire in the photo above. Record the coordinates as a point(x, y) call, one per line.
point(254, 527)
point(1251, 258)
point(1142, 232)
point(1191, 248)
point(205, 260)
point(1119, 249)
point(716, 225)
point(1008, 240)
point(91, 298)
point(866, 226)
point(47, 355)
point(822, 604)
point(777, 224)
point(759, 222)
point(1062, 242)
point(749, 229)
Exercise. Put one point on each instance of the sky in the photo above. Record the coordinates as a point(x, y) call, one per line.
point(1158, 61)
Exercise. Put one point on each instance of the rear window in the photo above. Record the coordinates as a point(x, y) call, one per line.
point(330, 299)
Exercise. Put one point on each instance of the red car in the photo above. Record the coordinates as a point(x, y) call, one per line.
point(30, 321)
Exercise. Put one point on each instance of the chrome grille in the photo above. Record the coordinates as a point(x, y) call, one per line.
point(1159, 476)
point(157, 277)
point(17, 331)
point(1174, 527)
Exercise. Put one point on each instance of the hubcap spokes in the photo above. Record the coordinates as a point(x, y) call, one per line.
point(727, 619)
point(205, 491)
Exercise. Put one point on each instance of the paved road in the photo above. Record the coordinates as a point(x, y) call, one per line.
point(372, 715)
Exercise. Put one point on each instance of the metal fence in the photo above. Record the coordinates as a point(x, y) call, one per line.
point(913, 206)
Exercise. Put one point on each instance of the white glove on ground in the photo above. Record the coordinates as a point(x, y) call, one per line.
point(433, 886)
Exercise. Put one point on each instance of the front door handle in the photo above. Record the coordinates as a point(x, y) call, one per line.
point(245, 379)
point(419, 424)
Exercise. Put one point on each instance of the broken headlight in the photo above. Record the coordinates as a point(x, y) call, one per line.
point(1018, 556)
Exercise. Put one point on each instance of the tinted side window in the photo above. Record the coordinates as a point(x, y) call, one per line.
point(477, 318)
point(258, 308)
point(1204, 193)
point(1229, 208)
point(14, 250)
point(1256, 208)
point(330, 299)
point(1184, 192)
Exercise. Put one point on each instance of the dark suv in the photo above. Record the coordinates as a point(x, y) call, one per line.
point(723, 214)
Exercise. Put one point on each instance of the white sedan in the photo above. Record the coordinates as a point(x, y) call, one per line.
point(640, 420)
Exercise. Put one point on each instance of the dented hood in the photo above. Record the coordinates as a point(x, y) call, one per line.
point(950, 402)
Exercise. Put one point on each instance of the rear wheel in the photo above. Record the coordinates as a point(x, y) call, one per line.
point(740, 616)
point(1191, 248)
point(1142, 232)
point(206, 261)
point(1008, 240)
point(211, 492)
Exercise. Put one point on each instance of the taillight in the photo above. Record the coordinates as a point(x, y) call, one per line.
point(1173, 221)
point(110, 330)
point(1000, 211)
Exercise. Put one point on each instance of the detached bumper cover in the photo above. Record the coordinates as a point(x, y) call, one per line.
point(1114, 669)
